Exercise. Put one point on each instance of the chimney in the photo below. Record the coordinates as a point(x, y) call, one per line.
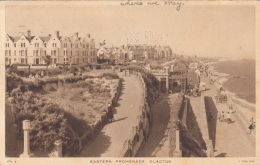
point(49, 35)
point(77, 34)
point(123, 46)
point(88, 35)
point(29, 34)
point(58, 34)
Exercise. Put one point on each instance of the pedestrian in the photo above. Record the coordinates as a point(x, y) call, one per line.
point(222, 116)
point(250, 128)
point(231, 108)
point(228, 118)
point(251, 121)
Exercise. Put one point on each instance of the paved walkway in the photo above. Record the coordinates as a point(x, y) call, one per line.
point(230, 140)
point(157, 144)
point(110, 141)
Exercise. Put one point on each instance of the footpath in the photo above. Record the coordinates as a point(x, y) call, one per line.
point(230, 140)
point(110, 141)
point(157, 144)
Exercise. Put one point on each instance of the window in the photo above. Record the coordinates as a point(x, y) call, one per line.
point(22, 61)
point(14, 44)
point(15, 52)
point(6, 52)
point(45, 44)
point(9, 52)
point(26, 53)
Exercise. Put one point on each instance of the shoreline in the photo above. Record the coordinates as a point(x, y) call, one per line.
point(221, 78)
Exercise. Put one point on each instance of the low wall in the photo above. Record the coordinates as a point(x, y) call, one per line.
point(194, 133)
point(141, 130)
point(103, 119)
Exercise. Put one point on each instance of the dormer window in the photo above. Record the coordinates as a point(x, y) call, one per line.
point(14, 44)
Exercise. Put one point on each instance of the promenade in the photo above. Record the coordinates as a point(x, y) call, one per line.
point(226, 138)
point(110, 140)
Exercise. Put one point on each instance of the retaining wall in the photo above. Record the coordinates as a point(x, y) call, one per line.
point(202, 132)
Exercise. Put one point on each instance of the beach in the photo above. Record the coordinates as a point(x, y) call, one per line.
point(239, 85)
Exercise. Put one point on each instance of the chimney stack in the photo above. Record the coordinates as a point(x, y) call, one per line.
point(88, 35)
point(29, 34)
point(77, 34)
point(58, 34)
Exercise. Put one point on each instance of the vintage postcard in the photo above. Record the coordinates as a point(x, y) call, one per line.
point(129, 82)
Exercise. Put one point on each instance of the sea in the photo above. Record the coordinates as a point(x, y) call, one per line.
point(242, 78)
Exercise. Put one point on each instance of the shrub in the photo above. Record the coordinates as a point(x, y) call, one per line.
point(110, 76)
point(73, 69)
point(12, 81)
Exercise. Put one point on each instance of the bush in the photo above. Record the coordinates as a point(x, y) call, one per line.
point(110, 76)
point(12, 81)
point(97, 66)
point(48, 121)
point(73, 69)
point(150, 80)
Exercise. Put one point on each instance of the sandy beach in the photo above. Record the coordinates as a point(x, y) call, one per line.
point(221, 78)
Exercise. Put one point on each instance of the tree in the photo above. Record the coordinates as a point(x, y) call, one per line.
point(47, 59)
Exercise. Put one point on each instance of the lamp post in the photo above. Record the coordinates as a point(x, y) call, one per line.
point(26, 128)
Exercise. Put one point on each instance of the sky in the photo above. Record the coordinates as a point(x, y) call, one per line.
point(227, 31)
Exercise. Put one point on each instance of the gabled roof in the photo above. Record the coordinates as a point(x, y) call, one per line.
point(65, 37)
point(45, 38)
point(14, 39)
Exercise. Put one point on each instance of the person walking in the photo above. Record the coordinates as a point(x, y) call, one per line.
point(251, 125)
point(222, 116)
point(228, 118)
point(250, 128)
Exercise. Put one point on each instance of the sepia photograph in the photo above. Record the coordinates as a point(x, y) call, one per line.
point(136, 79)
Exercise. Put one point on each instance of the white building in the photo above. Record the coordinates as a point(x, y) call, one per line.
point(27, 49)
